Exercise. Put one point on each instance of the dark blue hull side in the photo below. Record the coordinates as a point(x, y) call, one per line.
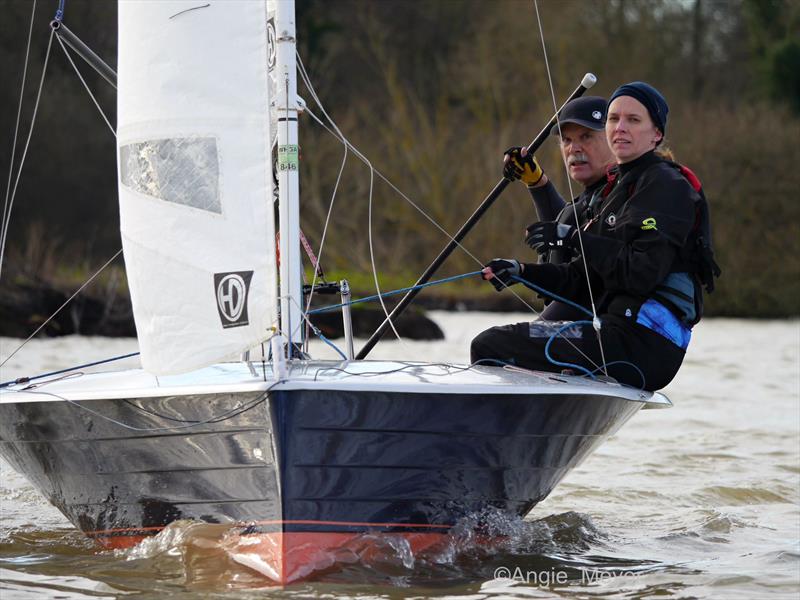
point(411, 460)
point(301, 461)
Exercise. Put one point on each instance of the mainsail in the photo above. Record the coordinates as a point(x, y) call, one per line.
point(195, 179)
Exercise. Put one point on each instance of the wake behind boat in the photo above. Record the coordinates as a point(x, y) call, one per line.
point(303, 456)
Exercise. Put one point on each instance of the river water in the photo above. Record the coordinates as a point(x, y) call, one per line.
point(698, 501)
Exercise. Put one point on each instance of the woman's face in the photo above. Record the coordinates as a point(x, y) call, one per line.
point(629, 129)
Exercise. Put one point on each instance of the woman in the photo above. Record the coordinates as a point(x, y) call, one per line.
point(641, 264)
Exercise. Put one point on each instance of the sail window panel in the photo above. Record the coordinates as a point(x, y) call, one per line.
point(179, 170)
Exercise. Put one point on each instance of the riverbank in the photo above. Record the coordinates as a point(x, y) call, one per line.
point(103, 308)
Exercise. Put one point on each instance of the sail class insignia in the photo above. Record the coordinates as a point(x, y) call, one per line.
point(232, 290)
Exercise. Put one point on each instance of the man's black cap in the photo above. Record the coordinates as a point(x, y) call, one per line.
point(589, 111)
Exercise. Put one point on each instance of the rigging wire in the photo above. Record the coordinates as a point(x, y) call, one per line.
point(595, 319)
point(60, 308)
point(7, 214)
point(307, 81)
point(421, 211)
point(316, 330)
point(83, 81)
point(338, 134)
point(429, 218)
point(21, 380)
point(7, 219)
point(16, 126)
point(393, 292)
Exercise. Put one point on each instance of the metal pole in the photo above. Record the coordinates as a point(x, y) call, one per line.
point(588, 81)
point(94, 61)
point(291, 269)
point(347, 320)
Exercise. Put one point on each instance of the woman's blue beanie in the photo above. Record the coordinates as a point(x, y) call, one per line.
point(650, 97)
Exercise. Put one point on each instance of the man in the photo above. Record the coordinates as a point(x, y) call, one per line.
point(586, 152)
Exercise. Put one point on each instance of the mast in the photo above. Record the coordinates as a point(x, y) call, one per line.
point(291, 283)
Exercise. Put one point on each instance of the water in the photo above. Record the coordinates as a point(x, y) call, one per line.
point(698, 501)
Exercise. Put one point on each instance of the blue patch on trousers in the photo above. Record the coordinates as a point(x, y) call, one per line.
point(546, 329)
point(660, 319)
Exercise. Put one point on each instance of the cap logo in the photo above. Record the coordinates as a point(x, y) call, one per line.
point(597, 114)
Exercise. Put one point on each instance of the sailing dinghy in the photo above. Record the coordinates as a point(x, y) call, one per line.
point(299, 457)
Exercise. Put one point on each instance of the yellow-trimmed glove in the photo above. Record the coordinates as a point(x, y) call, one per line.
point(524, 168)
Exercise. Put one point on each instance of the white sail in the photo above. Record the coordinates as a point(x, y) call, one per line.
point(195, 180)
point(272, 79)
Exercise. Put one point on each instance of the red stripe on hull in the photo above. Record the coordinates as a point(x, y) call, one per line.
point(286, 557)
point(120, 542)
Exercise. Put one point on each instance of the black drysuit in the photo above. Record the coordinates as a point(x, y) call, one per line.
point(632, 243)
point(550, 206)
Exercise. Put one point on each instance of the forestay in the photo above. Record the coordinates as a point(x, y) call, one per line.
point(195, 181)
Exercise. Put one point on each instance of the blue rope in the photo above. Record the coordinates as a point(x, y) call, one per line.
point(536, 288)
point(60, 12)
point(393, 292)
point(92, 364)
point(332, 345)
point(566, 364)
point(624, 362)
point(552, 337)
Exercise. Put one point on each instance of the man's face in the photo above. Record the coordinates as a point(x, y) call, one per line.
point(586, 153)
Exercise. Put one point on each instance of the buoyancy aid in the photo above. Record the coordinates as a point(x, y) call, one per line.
point(695, 266)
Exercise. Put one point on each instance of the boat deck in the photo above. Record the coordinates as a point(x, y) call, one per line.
point(383, 376)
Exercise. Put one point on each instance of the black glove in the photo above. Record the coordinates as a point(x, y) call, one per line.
point(499, 272)
point(516, 166)
point(549, 235)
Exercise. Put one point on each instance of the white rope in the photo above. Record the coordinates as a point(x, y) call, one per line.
point(325, 227)
point(83, 81)
point(307, 81)
point(16, 126)
point(595, 319)
point(7, 215)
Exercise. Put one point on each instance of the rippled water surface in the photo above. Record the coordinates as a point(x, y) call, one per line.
point(698, 501)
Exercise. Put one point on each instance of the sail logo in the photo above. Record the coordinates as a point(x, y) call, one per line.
point(232, 291)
